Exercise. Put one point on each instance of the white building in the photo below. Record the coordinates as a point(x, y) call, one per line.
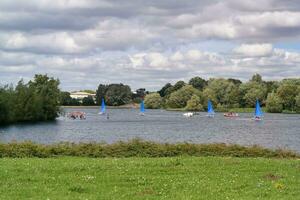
point(80, 95)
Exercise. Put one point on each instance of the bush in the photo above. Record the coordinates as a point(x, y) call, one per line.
point(194, 104)
point(137, 148)
point(179, 98)
point(153, 101)
point(274, 103)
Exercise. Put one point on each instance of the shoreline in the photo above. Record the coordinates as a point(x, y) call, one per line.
point(136, 106)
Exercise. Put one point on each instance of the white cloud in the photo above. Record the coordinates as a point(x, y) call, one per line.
point(253, 50)
point(147, 43)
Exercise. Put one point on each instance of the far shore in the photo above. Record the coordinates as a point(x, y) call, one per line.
point(136, 106)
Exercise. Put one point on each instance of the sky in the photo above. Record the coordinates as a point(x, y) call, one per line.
point(146, 43)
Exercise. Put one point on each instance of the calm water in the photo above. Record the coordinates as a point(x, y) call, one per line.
point(275, 131)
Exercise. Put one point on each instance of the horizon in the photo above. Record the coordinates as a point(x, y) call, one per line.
point(148, 44)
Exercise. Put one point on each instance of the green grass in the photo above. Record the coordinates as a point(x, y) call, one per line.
point(149, 178)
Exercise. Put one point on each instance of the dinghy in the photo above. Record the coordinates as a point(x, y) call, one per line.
point(258, 113)
point(103, 108)
point(210, 109)
point(188, 114)
point(231, 114)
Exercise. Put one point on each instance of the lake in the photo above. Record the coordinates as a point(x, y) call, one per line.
point(275, 131)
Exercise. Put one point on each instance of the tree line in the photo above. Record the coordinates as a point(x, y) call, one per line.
point(114, 95)
point(37, 100)
point(226, 94)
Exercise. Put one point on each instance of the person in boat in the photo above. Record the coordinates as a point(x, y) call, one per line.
point(257, 118)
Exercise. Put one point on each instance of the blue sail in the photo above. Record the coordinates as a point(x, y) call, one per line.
point(142, 107)
point(210, 108)
point(258, 112)
point(103, 108)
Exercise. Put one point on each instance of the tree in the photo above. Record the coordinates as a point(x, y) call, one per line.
point(254, 94)
point(256, 78)
point(179, 98)
point(100, 93)
point(209, 94)
point(218, 87)
point(194, 104)
point(163, 91)
point(6, 104)
point(273, 103)
point(179, 85)
point(46, 93)
point(118, 94)
point(251, 91)
point(153, 101)
point(235, 81)
point(288, 91)
point(297, 101)
point(198, 83)
point(88, 101)
point(232, 96)
point(65, 99)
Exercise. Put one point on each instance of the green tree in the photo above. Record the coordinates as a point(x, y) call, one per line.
point(251, 91)
point(209, 94)
point(235, 81)
point(6, 104)
point(118, 94)
point(273, 103)
point(256, 78)
point(287, 91)
point(179, 85)
point(163, 91)
point(46, 93)
point(65, 99)
point(218, 87)
point(194, 104)
point(88, 101)
point(100, 93)
point(297, 101)
point(198, 83)
point(232, 96)
point(179, 98)
point(153, 101)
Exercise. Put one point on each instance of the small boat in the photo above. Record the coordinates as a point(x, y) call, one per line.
point(103, 108)
point(77, 115)
point(188, 114)
point(231, 114)
point(210, 109)
point(142, 108)
point(258, 113)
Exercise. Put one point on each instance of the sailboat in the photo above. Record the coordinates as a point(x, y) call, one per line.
point(142, 108)
point(258, 113)
point(210, 109)
point(103, 108)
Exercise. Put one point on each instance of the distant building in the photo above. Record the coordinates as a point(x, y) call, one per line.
point(80, 95)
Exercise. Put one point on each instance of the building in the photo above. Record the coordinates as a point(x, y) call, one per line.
point(80, 95)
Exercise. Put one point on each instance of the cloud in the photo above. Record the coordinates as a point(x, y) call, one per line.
point(253, 50)
point(147, 43)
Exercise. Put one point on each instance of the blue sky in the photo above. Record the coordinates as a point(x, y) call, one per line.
point(148, 43)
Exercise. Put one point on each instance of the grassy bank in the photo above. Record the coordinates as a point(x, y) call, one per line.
point(149, 178)
point(138, 148)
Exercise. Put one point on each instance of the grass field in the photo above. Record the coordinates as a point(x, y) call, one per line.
point(149, 178)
